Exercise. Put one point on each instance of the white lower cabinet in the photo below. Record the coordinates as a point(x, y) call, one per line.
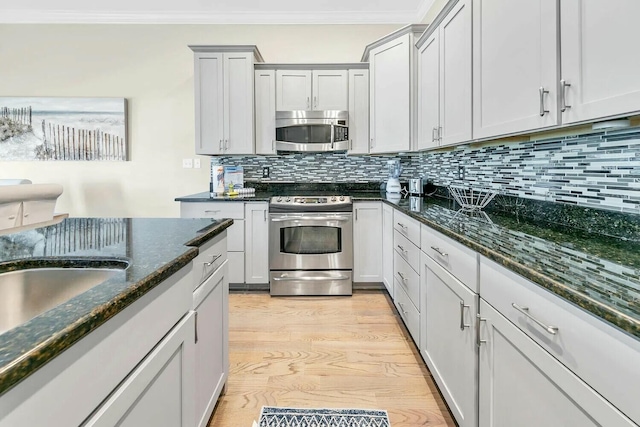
point(256, 242)
point(367, 241)
point(449, 345)
point(523, 385)
point(210, 303)
point(159, 392)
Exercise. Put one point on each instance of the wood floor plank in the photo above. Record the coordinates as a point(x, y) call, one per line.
point(325, 352)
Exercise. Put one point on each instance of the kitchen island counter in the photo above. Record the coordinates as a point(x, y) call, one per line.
point(153, 248)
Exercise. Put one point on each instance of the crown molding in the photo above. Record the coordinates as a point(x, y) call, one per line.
point(423, 9)
point(17, 16)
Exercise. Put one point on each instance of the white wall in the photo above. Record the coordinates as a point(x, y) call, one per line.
point(152, 67)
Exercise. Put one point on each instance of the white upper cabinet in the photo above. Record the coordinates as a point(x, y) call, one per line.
point(224, 99)
point(265, 114)
point(599, 67)
point(390, 108)
point(392, 91)
point(311, 90)
point(515, 66)
point(444, 80)
point(429, 92)
point(359, 111)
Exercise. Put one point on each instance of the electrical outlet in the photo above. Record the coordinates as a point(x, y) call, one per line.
point(265, 171)
point(460, 172)
point(196, 163)
point(187, 163)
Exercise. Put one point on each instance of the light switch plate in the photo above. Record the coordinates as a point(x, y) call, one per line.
point(187, 163)
point(196, 163)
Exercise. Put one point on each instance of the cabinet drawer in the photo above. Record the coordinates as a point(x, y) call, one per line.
point(215, 210)
point(456, 258)
point(212, 254)
point(408, 227)
point(407, 250)
point(598, 353)
point(408, 279)
point(408, 312)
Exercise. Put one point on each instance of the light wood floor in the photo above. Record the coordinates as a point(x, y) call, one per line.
point(325, 352)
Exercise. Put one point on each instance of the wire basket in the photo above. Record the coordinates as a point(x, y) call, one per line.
point(471, 199)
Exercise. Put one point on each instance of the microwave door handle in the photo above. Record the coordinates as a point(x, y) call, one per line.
point(333, 135)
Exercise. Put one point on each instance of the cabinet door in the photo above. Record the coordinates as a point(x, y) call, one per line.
point(450, 346)
point(238, 109)
point(455, 75)
point(359, 111)
point(597, 40)
point(209, 97)
point(211, 301)
point(159, 392)
point(265, 87)
point(293, 90)
point(367, 239)
point(387, 247)
point(256, 243)
point(429, 92)
point(514, 64)
point(390, 98)
point(330, 90)
point(522, 385)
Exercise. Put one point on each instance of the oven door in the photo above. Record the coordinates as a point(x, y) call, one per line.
point(311, 241)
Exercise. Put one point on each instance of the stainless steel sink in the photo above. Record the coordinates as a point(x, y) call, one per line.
point(24, 294)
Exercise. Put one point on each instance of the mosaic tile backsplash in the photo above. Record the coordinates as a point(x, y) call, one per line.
point(599, 170)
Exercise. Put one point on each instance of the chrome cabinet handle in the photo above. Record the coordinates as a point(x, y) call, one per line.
point(226, 144)
point(525, 310)
point(212, 212)
point(265, 214)
point(404, 227)
point(12, 217)
point(356, 212)
point(442, 254)
point(478, 340)
point(220, 146)
point(434, 136)
point(563, 95)
point(403, 250)
point(195, 318)
point(542, 92)
point(462, 324)
point(351, 144)
point(439, 134)
point(315, 102)
point(372, 144)
point(213, 259)
point(402, 308)
point(404, 279)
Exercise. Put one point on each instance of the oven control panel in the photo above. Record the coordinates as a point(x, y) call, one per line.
point(310, 204)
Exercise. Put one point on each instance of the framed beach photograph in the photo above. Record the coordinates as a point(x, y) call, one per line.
point(63, 128)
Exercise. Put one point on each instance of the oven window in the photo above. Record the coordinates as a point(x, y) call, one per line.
point(304, 133)
point(310, 240)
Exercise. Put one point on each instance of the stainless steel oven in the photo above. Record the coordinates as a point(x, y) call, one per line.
point(311, 245)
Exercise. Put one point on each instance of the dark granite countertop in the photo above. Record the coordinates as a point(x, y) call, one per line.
point(590, 258)
point(153, 248)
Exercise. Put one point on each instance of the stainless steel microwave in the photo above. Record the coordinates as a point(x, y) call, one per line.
point(312, 131)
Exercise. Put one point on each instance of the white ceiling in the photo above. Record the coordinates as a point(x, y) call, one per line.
point(215, 11)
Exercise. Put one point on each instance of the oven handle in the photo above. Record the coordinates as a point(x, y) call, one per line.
point(309, 279)
point(312, 218)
